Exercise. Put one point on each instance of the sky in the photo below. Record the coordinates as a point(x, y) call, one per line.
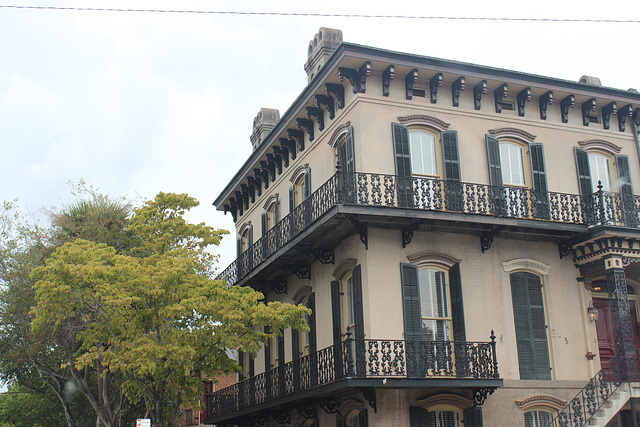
point(134, 103)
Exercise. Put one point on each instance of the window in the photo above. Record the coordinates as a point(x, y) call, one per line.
point(537, 418)
point(346, 154)
point(530, 326)
point(245, 240)
point(353, 419)
point(595, 166)
point(434, 304)
point(511, 164)
point(439, 416)
point(301, 188)
point(271, 215)
point(422, 146)
point(599, 167)
point(304, 342)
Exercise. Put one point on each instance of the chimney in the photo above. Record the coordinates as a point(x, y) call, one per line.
point(264, 122)
point(320, 49)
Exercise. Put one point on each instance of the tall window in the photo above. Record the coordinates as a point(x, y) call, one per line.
point(597, 165)
point(271, 215)
point(442, 418)
point(512, 164)
point(245, 240)
point(537, 418)
point(434, 304)
point(600, 171)
point(530, 325)
point(300, 190)
point(516, 164)
point(424, 158)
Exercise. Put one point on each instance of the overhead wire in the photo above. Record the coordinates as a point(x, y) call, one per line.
point(326, 15)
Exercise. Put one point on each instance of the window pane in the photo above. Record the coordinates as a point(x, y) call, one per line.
point(433, 293)
point(511, 164)
point(599, 166)
point(423, 153)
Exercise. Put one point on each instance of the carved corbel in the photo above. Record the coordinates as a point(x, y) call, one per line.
point(636, 118)
point(499, 94)
point(243, 198)
point(479, 90)
point(407, 233)
point(409, 80)
point(623, 113)
point(357, 78)
point(457, 87)
point(434, 84)
point(298, 135)
point(289, 145)
point(316, 113)
point(545, 101)
point(270, 168)
point(307, 124)
point(587, 108)
point(236, 203)
point(275, 165)
point(325, 256)
point(263, 173)
point(565, 104)
point(486, 239)
point(233, 210)
point(308, 409)
point(250, 190)
point(282, 152)
point(361, 229)
point(480, 395)
point(303, 271)
point(523, 97)
point(387, 76)
point(330, 405)
point(256, 182)
point(328, 103)
point(607, 111)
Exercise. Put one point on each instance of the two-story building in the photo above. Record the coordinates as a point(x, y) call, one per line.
point(466, 237)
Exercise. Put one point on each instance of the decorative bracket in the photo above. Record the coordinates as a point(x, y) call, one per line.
point(267, 170)
point(243, 198)
point(290, 146)
point(275, 164)
point(338, 91)
point(250, 190)
point(330, 405)
point(486, 240)
point(565, 104)
point(623, 113)
point(282, 152)
point(607, 111)
point(256, 182)
point(587, 108)
point(479, 90)
point(409, 80)
point(456, 88)
point(369, 394)
point(328, 103)
point(564, 249)
point(301, 270)
point(318, 114)
point(233, 210)
point(387, 76)
point(308, 409)
point(298, 135)
point(480, 395)
point(277, 286)
point(434, 84)
point(307, 124)
point(361, 229)
point(282, 416)
point(636, 118)
point(499, 94)
point(357, 78)
point(523, 97)
point(325, 256)
point(545, 101)
point(407, 233)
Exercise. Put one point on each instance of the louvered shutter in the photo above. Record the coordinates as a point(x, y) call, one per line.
point(473, 417)
point(280, 349)
point(311, 304)
point(450, 155)
point(531, 333)
point(418, 417)
point(411, 302)
point(250, 236)
point(267, 350)
point(241, 363)
point(357, 303)
point(252, 367)
point(536, 154)
point(624, 175)
point(363, 421)
point(335, 311)
point(276, 211)
point(340, 421)
point(238, 247)
point(493, 157)
point(307, 184)
point(584, 172)
point(264, 222)
point(349, 164)
point(295, 344)
point(292, 198)
point(457, 306)
point(403, 165)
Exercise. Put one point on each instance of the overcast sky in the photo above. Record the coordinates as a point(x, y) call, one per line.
point(136, 103)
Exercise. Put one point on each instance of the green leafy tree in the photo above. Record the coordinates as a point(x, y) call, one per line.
point(155, 315)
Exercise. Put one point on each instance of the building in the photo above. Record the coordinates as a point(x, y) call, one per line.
point(466, 237)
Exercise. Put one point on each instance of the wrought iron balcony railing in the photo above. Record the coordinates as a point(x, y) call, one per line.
point(380, 190)
point(360, 359)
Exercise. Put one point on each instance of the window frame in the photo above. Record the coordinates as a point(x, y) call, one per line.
point(619, 171)
point(537, 409)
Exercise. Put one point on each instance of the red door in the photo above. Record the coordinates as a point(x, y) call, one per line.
point(604, 328)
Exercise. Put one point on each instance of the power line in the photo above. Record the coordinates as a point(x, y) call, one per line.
point(329, 15)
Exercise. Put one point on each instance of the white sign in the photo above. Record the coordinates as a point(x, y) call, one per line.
point(143, 422)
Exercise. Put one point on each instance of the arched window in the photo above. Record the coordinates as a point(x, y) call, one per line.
point(245, 237)
point(304, 342)
point(600, 161)
point(301, 188)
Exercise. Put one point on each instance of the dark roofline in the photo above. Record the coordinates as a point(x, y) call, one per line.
point(413, 61)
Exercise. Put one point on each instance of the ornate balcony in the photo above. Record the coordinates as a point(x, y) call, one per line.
point(415, 194)
point(364, 360)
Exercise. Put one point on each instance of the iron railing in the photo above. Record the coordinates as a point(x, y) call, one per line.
point(366, 358)
point(381, 190)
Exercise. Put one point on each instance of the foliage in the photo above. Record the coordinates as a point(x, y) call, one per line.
point(155, 315)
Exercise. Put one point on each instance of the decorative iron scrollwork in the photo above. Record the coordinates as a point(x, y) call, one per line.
point(486, 240)
point(330, 405)
point(325, 256)
point(564, 249)
point(282, 417)
point(308, 410)
point(387, 76)
point(370, 395)
point(480, 395)
point(407, 234)
point(361, 229)
point(302, 271)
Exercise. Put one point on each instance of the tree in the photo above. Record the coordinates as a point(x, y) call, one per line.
point(156, 315)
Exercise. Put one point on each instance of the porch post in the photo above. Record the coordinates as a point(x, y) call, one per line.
point(623, 363)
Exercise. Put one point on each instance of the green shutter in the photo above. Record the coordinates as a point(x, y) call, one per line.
point(241, 364)
point(538, 173)
point(292, 198)
point(263, 222)
point(340, 421)
point(457, 306)
point(280, 349)
point(584, 173)
point(276, 211)
point(624, 175)
point(450, 155)
point(418, 417)
point(238, 247)
point(267, 350)
point(530, 325)
point(472, 417)
point(411, 302)
point(307, 184)
point(493, 157)
point(295, 344)
point(250, 237)
point(358, 311)
point(252, 367)
point(401, 149)
point(311, 304)
point(349, 164)
point(335, 311)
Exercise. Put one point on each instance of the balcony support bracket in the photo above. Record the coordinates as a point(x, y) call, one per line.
point(330, 405)
point(407, 234)
point(325, 256)
point(486, 240)
point(303, 271)
point(481, 394)
point(361, 229)
point(564, 249)
point(308, 409)
point(282, 416)
point(277, 286)
point(369, 394)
